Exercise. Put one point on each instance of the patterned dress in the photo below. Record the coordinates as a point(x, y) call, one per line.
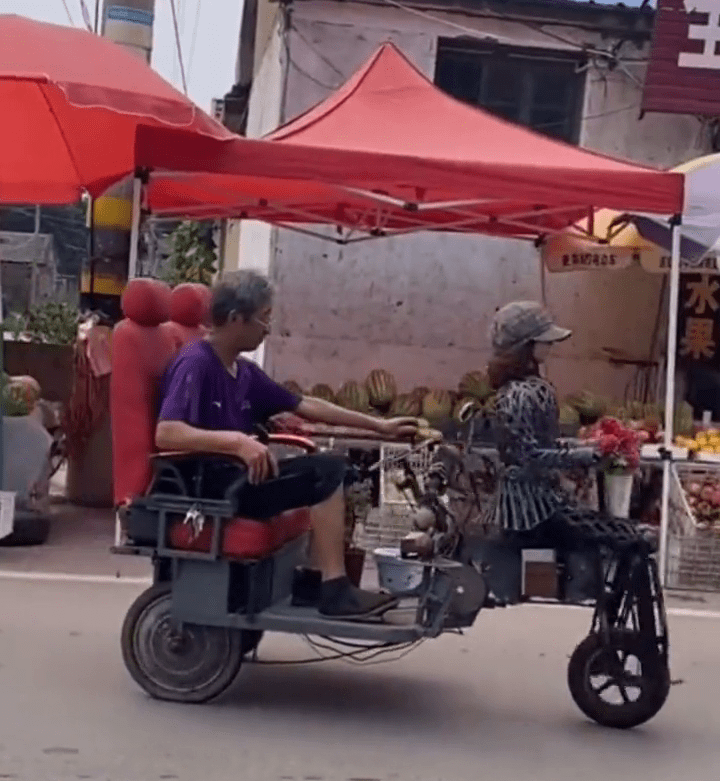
point(528, 490)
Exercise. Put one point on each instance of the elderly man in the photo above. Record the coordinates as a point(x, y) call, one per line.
point(212, 401)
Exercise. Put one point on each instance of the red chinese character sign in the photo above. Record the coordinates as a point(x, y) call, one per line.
point(699, 319)
point(683, 75)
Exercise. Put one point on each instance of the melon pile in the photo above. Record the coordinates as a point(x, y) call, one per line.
point(585, 409)
point(378, 394)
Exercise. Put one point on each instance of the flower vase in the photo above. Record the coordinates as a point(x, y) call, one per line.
point(618, 493)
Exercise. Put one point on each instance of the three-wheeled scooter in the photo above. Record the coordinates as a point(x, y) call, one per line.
point(220, 581)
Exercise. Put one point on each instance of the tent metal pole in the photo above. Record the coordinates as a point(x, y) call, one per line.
point(135, 230)
point(673, 302)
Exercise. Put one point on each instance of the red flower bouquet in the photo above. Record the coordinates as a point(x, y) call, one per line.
point(618, 445)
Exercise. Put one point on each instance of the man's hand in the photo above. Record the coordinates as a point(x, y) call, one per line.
point(399, 428)
point(259, 460)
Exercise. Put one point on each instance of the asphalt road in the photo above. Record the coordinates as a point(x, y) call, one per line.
point(490, 705)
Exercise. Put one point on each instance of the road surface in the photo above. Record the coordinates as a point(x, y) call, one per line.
point(490, 705)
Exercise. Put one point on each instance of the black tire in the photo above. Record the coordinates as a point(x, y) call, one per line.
point(191, 666)
point(592, 659)
point(29, 528)
point(250, 640)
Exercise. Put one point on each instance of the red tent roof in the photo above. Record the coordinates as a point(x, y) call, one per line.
point(390, 151)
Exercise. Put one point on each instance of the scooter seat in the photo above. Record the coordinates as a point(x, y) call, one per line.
point(243, 538)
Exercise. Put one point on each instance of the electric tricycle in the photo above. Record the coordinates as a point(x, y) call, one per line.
point(220, 581)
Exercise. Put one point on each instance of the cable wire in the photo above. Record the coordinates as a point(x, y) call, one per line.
point(196, 26)
point(365, 655)
point(314, 49)
point(475, 33)
point(67, 11)
point(178, 45)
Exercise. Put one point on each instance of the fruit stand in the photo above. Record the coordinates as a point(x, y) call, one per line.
point(694, 527)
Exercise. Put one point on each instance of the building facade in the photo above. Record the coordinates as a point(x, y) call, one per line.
point(420, 305)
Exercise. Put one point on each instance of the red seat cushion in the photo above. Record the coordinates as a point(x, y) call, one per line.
point(141, 352)
point(244, 538)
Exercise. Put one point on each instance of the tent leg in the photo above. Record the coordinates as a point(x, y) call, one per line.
point(673, 302)
point(135, 229)
point(543, 282)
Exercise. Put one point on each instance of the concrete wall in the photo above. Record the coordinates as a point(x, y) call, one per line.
point(420, 306)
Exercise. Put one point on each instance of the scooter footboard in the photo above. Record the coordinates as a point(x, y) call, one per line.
point(206, 591)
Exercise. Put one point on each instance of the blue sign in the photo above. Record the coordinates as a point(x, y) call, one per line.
point(119, 13)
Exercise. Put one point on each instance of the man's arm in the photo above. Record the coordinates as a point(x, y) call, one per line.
point(321, 411)
point(174, 435)
point(177, 435)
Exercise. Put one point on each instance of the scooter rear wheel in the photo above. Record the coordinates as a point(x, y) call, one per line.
point(609, 693)
point(191, 664)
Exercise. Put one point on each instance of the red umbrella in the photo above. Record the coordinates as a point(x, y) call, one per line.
point(71, 104)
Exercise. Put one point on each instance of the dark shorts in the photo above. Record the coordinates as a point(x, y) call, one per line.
point(303, 481)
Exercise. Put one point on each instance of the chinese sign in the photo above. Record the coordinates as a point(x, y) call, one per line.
point(659, 263)
point(683, 75)
point(698, 318)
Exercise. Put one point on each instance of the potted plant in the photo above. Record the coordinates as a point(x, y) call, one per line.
point(358, 501)
point(619, 446)
point(193, 257)
point(26, 447)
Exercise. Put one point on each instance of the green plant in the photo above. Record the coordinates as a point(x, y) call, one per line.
point(14, 324)
point(192, 257)
point(52, 322)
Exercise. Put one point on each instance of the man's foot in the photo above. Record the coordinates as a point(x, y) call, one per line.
point(340, 599)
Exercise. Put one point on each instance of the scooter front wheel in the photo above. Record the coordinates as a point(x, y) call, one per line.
point(619, 684)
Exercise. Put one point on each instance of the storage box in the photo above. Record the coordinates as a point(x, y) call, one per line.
point(539, 574)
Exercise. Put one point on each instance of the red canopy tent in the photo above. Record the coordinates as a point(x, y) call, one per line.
point(391, 153)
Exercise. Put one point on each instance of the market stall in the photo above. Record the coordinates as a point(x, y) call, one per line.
point(615, 240)
point(390, 154)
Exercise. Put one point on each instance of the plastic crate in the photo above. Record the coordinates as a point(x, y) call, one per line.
point(693, 550)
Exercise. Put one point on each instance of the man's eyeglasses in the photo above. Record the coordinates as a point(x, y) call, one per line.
point(264, 324)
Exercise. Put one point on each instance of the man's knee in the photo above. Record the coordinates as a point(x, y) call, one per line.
point(335, 498)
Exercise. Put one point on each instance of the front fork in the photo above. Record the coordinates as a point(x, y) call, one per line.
point(630, 599)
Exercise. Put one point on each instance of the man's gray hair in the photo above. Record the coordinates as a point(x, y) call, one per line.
point(243, 292)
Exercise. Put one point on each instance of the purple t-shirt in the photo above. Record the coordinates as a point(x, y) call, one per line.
point(198, 390)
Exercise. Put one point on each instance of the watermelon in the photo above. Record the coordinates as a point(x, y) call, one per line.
point(322, 391)
point(588, 405)
point(636, 410)
point(569, 416)
point(684, 423)
point(27, 387)
point(475, 385)
point(353, 395)
point(420, 393)
point(381, 388)
point(293, 387)
point(437, 406)
point(406, 405)
point(652, 414)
